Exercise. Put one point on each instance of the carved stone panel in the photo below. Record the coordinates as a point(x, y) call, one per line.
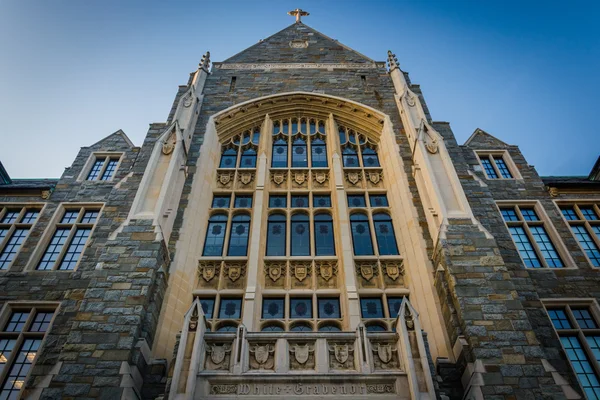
point(354, 178)
point(393, 273)
point(327, 272)
point(341, 355)
point(374, 178)
point(301, 273)
point(299, 179)
point(209, 274)
point(279, 179)
point(262, 356)
point(225, 179)
point(234, 275)
point(246, 179)
point(385, 355)
point(275, 274)
point(367, 273)
point(302, 356)
point(217, 356)
point(320, 179)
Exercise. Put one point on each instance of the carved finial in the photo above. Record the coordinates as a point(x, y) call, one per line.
point(205, 61)
point(298, 13)
point(392, 61)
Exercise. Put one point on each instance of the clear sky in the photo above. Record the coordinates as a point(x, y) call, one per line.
point(72, 71)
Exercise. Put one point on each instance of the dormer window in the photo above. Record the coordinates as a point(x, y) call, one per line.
point(102, 167)
point(497, 165)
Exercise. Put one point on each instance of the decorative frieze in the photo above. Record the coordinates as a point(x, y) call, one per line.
point(267, 66)
point(305, 388)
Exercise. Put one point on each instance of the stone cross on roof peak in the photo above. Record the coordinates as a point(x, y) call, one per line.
point(298, 13)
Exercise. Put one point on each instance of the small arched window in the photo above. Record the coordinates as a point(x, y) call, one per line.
point(376, 328)
point(301, 328)
point(228, 158)
point(300, 235)
point(276, 235)
point(350, 157)
point(248, 159)
point(384, 232)
point(370, 158)
point(227, 328)
point(329, 328)
point(318, 153)
point(280, 154)
point(215, 236)
point(361, 235)
point(272, 328)
point(299, 155)
point(238, 236)
point(324, 242)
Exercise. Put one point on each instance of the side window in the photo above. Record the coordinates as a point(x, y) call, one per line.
point(103, 167)
point(497, 165)
point(15, 224)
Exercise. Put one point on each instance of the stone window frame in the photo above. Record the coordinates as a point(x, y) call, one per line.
point(582, 221)
point(4, 207)
point(287, 323)
point(544, 220)
point(215, 323)
point(50, 229)
point(510, 164)
point(277, 132)
point(387, 320)
point(567, 304)
point(107, 155)
point(33, 307)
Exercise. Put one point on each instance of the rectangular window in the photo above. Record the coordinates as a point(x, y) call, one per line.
point(329, 307)
point(231, 308)
point(69, 239)
point(576, 327)
point(323, 201)
point(221, 201)
point(208, 306)
point(528, 231)
point(15, 225)
point(243, 202)
point(20, 341)
point(273, 308)
point(277, 201)
point(300, 307)
point(585, 225)
point(378, 200)
point(497, 165)
point(299, 202)
point(356, 200)
point(103, 168)
point(371, 307)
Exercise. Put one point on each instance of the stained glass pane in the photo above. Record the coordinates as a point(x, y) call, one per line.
point(221, 201)
point(361, 235)
point(272, 328)
point(318, 154)
point(559, 319)
point(356, 200)
point(378, 200)
point(299, 201)
point(215, 236)
point(228, 159)
point(278, 201)
point(300, 307)
point(273, 308)
point(243, 202)
point(276, 235)
point(329, 308)
point(384, 232)
point(248, 159)
point(370, 158)
point(230, 309)
point(208, 306)
point(300, 235)
point(238, 237)
point(323, 201)
point(394, 304)
point(324, 239)
point(371, 307)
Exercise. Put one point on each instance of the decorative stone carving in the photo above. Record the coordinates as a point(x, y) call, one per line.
point(353, 177)
point(235, 271)
point(301, 271)
point(188, 100)
point(278, 177)
point(409, 318)
point(394, 270)
point(392, 61)
point(341, 355)
point(303, 356)
point(300, 178)
point(223, 389)
point(246, 66)
point(193, 325)
point(327, 270)
point(275, 271)
point(246, 177)
point(375, 177)
point(386, 355)
point(219, 356)
point(224, 178)
point(367, 270)
point(551, 190)
point(263, 356)
point(46, 194)
point(410, 98)
point(169, 144)
point(299, 44)
point(205, 61)
point(208, 270)
point(320, 177)
point(382, 388)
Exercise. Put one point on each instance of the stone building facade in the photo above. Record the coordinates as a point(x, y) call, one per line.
point(300, 226)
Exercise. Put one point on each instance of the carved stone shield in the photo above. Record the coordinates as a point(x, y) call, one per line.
point(366, 271)
point(384, 352)
point(187, 101)
point(224, 179)
point(353, 177)
point(208, 271)
point(392, 271)
point(246, 178)
point(169, 144)
point(326, 271)
point(341, 353)
point(374, 177)
point(299, 178)
point(320, 177)
point(278, 178)
point(301, 353)
point(300, 272)
point(217, 354)
point(274, 272)
point(261, 354)
point(234, 272)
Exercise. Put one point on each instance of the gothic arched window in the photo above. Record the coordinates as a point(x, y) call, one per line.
point(215, 235)
point(370, 158)
point(276, 235)
point(228, 158)
point(361, 235)
point(299, 156)
point(248, 159)
point(324, 242)
point(318, 153)
point(238, 235)
point(384, 232)
point(350, 157)
point(300, 235)
point(280, 153)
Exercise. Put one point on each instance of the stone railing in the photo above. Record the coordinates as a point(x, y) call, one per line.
point(242, 363)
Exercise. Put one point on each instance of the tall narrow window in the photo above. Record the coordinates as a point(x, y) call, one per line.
point(110, 169)
point(350, 157)
point(324, 241)
point(215, 236)
point(228, 158)
point(15, 225)
point(384, 231)
point(318, 153)
point(489, 168)
point(69, 239)
point(238, 237)
point(370, 158)
point(103, 168)
point(300, 235)
point(280, 154)
point(502, 167)
point(299, 155)
point(585, 225)
point(248, 159)
point(95, 171)
point(361, 235)
point(276, 226)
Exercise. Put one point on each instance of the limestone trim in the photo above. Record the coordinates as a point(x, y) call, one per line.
point(543, 221)
point(9, 228)
point(98, 156)
point(50, 229)
point(491, 156)
point(584, 228)
point(300, 44)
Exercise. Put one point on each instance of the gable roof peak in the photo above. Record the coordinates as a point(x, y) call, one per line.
point(479, 131)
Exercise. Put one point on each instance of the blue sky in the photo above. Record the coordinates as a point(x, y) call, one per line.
point(72, 72)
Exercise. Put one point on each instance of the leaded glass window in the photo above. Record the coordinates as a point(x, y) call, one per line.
point(384, 232)
point(273, 308)
point(208, 306)
point(276, 234)
point(318, 153)
point(329, 307)
point(215, 235)
point(228, 158)
point(356, 200)
point(370, 158)
point(350, 157)
point(378, 200)
point(230, 308)
point(243, 201)
point(238, 237)
point(280, 154)
point(301, 307)
point(324, 238)
point(371, 307)
point(299, 201)
point(277, 201)
point(361, 235)
point(300, 235)
point(221, 201)
point(299, 155)
point(321, 201)
point(248, 159)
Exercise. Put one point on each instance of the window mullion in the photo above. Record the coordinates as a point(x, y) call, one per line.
point(493, 162)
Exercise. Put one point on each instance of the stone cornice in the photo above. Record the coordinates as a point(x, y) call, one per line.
point(269, 66)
